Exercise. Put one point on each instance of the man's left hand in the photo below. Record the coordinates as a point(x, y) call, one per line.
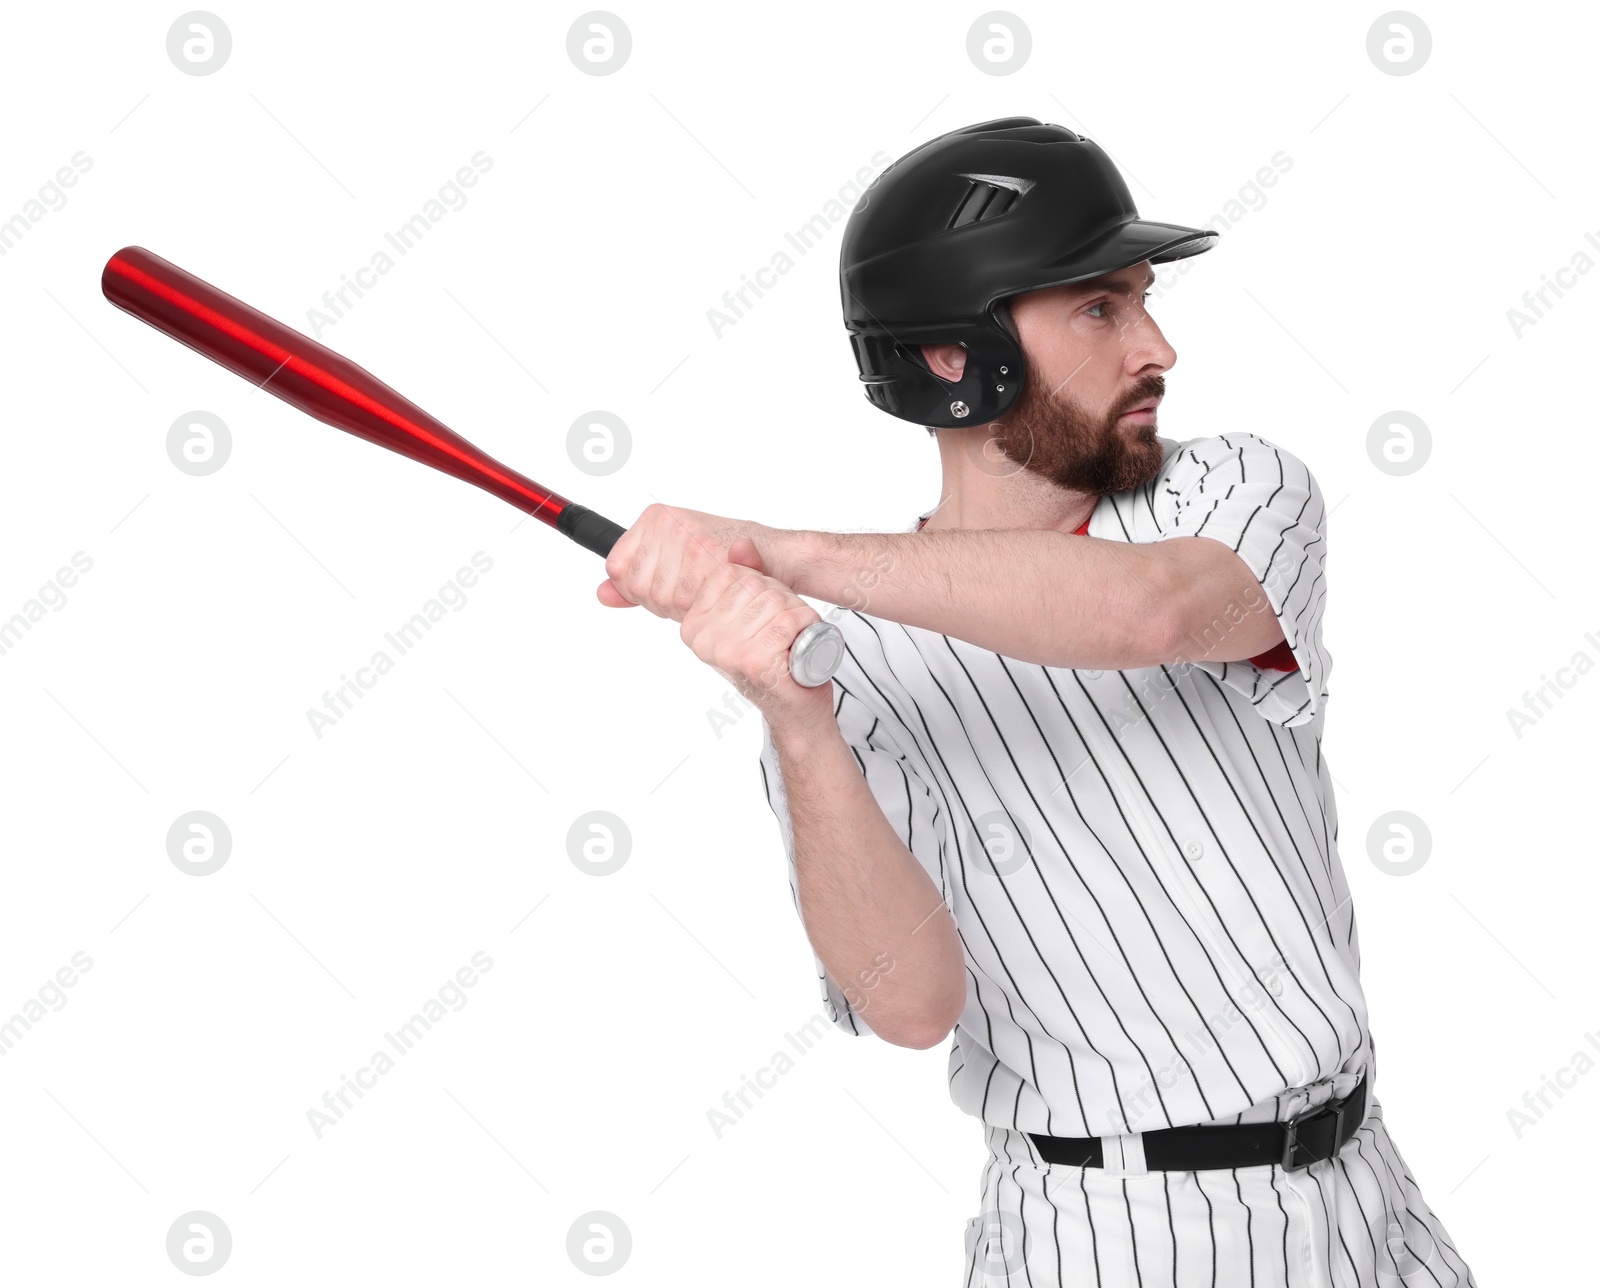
point(661, 562)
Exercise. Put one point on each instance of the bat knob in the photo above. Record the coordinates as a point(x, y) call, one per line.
point(815, 654)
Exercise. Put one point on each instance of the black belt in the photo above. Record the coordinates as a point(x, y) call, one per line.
point(1309, 1138)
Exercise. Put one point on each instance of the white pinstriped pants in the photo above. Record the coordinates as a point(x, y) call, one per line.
point(1354, 1221)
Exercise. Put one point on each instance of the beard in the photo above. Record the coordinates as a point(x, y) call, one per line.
point(1057, 439)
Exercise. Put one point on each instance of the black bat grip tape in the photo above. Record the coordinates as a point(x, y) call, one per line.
point(590, 530)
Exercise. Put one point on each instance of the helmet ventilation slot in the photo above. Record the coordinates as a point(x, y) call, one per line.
point(982, 201)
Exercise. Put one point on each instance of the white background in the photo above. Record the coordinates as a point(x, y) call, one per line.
point(370, 864)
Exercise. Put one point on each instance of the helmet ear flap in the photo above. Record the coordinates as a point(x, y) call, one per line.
point(898, 379)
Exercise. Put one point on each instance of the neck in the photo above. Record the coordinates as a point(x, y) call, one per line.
point(981, 488)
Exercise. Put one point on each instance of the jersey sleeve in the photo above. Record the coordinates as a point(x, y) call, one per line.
point(1262, 503)
point(910, 807)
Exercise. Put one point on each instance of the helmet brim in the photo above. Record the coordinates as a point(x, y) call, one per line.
point(1122, 246)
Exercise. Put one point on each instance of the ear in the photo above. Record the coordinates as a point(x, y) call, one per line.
point(947, 361)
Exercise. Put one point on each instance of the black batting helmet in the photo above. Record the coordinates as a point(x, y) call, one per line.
point(948, 231)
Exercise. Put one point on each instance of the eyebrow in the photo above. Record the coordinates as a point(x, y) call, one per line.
point(1097, 286)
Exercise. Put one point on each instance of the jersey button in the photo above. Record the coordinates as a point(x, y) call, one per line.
point(1193, 849)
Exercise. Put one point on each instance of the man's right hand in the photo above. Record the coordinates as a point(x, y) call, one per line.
point(742, 623)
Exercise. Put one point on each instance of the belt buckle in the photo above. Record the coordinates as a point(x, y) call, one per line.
point(1292, 1130)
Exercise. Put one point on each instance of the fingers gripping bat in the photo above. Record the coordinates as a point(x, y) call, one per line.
point(323, 384)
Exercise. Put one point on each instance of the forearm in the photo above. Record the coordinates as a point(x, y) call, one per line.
point(873, 915)
point(1049, 597)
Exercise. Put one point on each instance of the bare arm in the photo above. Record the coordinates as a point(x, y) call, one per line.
point(873, 915)
point(1055, 598)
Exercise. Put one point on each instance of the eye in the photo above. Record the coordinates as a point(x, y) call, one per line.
point(1100, 304)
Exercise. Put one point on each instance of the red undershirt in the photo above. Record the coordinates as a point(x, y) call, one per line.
point(1280, 657)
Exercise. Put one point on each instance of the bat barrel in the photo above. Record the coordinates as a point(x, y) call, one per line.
point(308, 375)
point(323, 384)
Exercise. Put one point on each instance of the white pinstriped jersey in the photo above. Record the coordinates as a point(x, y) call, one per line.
point(1142, 864)
point(1143, 869)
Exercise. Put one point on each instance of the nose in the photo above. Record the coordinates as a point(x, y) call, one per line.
point(1147, 348)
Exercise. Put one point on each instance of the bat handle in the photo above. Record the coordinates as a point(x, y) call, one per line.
point(588, 529)
point(813, 657)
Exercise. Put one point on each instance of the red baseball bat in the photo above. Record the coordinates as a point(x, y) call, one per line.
point(323, 384)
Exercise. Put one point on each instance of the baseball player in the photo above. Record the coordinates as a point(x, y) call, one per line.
point(1065, 797)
